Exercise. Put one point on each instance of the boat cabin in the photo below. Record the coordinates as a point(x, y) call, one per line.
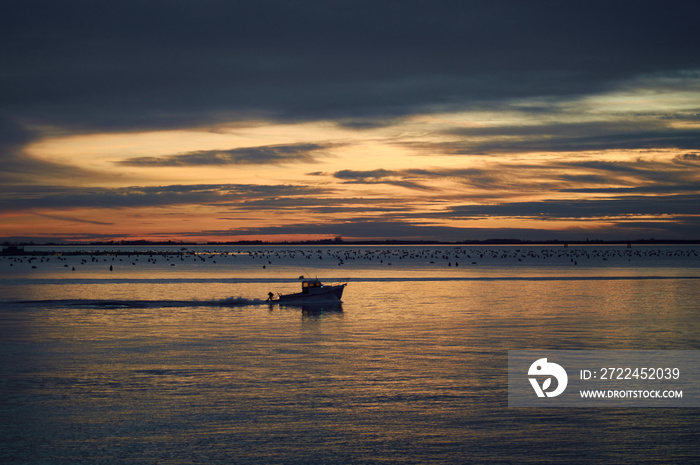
point(309, 284)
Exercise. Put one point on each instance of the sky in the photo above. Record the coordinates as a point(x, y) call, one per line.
point(410, 120)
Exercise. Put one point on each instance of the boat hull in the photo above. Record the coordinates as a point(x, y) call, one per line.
point(321, 294)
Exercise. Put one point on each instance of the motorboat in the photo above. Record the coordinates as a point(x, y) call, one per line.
point(312, 291)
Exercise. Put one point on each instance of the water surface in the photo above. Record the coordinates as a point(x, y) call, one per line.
point(173, 357)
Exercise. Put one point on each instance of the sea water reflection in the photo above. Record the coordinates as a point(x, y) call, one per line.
point(410, 371)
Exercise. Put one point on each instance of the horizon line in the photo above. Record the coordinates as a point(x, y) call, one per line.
point(337, 241)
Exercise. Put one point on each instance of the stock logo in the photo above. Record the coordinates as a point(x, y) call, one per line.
point(551, 370)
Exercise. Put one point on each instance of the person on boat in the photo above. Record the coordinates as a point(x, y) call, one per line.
point(270, 295)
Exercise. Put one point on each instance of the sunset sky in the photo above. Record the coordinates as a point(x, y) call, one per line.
point(291, 120)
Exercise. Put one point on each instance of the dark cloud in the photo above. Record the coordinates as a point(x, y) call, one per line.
point(581, 179)
point(418, 179)
point(325, 205)
point(584, 209)
point(367, 122)
point(96, 66)
point(407, 230)
point(681, 116)
point(678, 228)
point(648, 189)
point(379, 176)
point(31, 198)
point(594, 176)
point(270, 154)
point(353, 175)
point(641, 174)
point(572, 137)
point(73, 219)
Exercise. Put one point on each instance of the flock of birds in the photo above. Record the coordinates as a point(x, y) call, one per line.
point(449, 257)
point(457, 255)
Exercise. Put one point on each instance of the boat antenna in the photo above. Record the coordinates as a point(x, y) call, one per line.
point(306, 273)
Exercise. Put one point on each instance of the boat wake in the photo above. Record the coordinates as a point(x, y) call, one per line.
point(111, 303)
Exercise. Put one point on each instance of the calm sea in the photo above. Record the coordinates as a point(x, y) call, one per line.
point(172, 356)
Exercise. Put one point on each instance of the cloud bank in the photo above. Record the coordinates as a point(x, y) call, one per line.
point(243, 156)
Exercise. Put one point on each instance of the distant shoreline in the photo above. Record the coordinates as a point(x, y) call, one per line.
point(9, 246)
